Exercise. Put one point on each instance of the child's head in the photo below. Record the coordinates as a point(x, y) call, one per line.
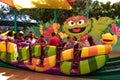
point(41, 36)
point(53, 34)
point(10, 33)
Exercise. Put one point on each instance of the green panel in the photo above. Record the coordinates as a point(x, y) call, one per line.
point(50, 51)
point(92, 64)
point(11, 57)
point(65, 67)
point(84, 67)
point(24, 54)
point(2, 55)
point(36, 51)
point(20, 55)
point(101, 60)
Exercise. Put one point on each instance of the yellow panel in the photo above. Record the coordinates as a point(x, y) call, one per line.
point(101, 49)
point(3, 46)
point(84, 52)
point(11, 47)
point(52, 61)
point(38, 62)
point(67, 55)
point(53, 4)
point(39, 69)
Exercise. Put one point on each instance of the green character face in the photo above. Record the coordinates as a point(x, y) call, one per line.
point(76, 26)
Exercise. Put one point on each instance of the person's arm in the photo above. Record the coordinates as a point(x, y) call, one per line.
point(65, 45)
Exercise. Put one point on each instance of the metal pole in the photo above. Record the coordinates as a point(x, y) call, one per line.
point(55, 15)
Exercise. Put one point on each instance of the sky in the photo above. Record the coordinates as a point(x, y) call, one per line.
point(104, 1)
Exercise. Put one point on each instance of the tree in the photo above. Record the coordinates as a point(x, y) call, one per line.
point(116, 9)
point(81, 7)
point(4, 10)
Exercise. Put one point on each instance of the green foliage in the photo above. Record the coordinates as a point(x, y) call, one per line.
point(105, 9)
point(81, 7)
point(34, 29)
point(118, 23)
point(47, 24)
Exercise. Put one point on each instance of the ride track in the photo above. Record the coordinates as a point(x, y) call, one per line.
point(112, 68)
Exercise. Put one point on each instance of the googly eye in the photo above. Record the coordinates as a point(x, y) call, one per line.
point(80, 22)
point(71, 23)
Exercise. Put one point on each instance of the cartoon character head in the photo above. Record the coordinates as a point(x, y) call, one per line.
point(109, 39)
point(77, 26)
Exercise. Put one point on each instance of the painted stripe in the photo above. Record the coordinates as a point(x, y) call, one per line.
point(33, 51)
point(61, 57)
point(84, 52)
point(2, 55)
point(33, 65)
point(67, 55)
point(65, 67)
point(95, 50)
point(108, 48)
point(84, 67)
point(101, 49)
point(10, 58)
point(46, 64)
point(37, 50)
point(20, 55)
point(92, 64)
point(92, 51)
point(25, 53)
point(9, 2)
point(101, 60)
point(11, 48)
point(3, 46)
point(50, 51)
point(46, 50)
point(39, 69)
point(34, 61)
point(54, 4)
point(52, 61)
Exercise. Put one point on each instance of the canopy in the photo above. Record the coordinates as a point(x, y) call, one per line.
point(26, 4)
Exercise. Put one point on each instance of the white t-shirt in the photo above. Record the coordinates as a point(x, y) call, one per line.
point(33, 41)
point(86, 44)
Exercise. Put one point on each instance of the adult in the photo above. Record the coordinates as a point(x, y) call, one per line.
point(32, 37)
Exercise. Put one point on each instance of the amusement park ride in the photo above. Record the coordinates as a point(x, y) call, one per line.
point(90, 60)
